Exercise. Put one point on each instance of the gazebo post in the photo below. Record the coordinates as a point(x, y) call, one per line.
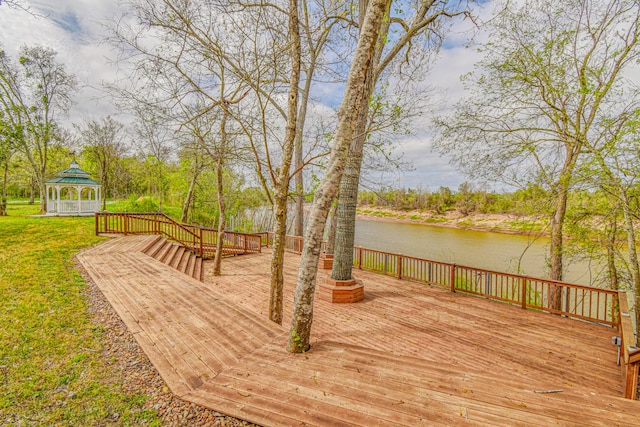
point(79, 190)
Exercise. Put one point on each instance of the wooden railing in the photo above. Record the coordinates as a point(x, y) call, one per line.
point(629, 352)
point(201, 240)
point(575, 301)
point(567, 299)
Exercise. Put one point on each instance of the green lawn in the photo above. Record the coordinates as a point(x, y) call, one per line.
point(51, 370)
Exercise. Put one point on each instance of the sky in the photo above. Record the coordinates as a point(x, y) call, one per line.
point(74, 29)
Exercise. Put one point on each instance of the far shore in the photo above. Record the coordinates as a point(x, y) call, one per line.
point(497, 223)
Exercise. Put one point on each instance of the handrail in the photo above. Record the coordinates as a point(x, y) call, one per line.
point(566, 299)
point(630, 352)
point(201, 240)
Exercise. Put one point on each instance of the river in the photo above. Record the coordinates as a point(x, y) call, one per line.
point(481, 249)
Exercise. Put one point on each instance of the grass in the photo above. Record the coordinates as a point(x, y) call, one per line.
point(51, 370)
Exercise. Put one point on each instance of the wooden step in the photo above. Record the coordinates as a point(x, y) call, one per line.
point(168, 256)
point(162, 253)
point(198, 270)
point(154, 249)
point(190, 265)
point(177, 257)
point(184, 260)
point(152, 244)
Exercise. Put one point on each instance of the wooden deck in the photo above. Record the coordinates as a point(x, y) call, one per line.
point(408, 354)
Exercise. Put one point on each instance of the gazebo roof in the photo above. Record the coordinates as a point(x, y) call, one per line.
point(73, 175)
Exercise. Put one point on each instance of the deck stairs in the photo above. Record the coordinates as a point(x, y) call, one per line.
point(176, 256)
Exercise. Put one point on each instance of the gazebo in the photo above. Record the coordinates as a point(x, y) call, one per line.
point(72, 192)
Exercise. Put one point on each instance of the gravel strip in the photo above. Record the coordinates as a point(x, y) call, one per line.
point(131, 366)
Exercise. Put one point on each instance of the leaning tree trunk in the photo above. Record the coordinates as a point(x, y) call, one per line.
point(357, 91)
point(188, 200)
point(282, 188)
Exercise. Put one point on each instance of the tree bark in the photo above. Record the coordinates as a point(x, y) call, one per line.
point(611, 253)
point(188, 200)
point(282, 187)
point(222, 214)
point(556, 248)
point(3, 192)
point(222, 208)
point(331, 232)
point(299, 179)
point(348, 200)
point(32, 190)
point(356, 92)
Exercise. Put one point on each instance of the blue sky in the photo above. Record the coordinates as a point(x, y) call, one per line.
point(74, 28)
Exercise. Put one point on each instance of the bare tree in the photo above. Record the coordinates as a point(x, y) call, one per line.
point(33, 97)
point(105, 145)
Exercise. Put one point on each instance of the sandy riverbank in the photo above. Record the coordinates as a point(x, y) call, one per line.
point(499, 223)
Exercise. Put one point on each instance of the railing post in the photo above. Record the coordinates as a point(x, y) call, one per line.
point(97, 219)
point(126, 223)
point(523, 292)
point(360, 258)
point(244, 238)
point(201, 246)
point(452, 279)
point(399, 267)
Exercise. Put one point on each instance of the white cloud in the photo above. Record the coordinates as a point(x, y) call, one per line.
point(74, 29)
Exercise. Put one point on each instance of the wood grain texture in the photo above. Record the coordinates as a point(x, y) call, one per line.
point(408, 354)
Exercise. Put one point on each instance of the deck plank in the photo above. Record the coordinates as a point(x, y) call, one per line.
point(408, 354)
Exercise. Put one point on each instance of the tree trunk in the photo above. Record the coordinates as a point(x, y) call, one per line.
point(348, 196)
point(222, 213)
point(611, 252)
point(32, 190)
point(331, 232)
point(556, 248)
point(41, 177)
point(282, 187)
point(277, 258)
point(347, 204)
point(3, 190)
point(222, 208)
point(188, 200)
point(633, 256)
point(299, 179)
point(356, 92)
